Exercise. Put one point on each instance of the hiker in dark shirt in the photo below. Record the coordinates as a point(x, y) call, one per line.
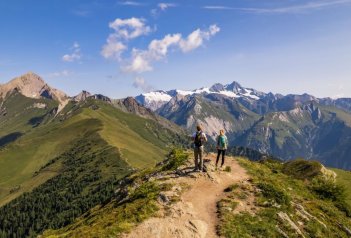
point(199, 138)
point(222, 144)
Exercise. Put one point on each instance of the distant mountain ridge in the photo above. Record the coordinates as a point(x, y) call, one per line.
point(287, 126)
point(156, 99)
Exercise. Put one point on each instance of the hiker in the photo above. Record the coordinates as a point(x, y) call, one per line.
point(222, 144)
point(199, 138)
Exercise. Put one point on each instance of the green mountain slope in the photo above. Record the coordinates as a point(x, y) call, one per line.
point(309, 131)
point(141, 142)
point(19, 114)
point(70, 158)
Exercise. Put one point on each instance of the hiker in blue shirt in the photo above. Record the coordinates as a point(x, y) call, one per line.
point(222, 145)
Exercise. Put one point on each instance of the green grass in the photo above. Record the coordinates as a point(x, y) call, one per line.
point(276, 192)
point(176, 158)
point(20, 111)
point(302, 169)
point(344, 178)
point(118, 217)
point(89, 170)
point(141, 142)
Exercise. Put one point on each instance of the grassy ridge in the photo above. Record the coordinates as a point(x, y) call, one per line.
point(140, 142)
point(314, 205)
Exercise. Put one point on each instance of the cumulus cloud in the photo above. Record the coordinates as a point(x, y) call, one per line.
point(113, 48)
point(129, 28)
point(196, 38)
point(124, 30)
point(75, 55)
point(139, 82)
point(141, 60)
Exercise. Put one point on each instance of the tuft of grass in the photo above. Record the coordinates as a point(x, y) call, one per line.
point(275, 193)
point(302, 169)
point(227, 169)
point(344, 178)
point(330, 190)
point(231, 188)
point(176, 158)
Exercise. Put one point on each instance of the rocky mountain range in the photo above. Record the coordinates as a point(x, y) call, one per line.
point(288, 126)
point(92, 166)
point(285, 126)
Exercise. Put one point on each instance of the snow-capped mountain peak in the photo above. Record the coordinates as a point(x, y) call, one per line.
point(157, 99)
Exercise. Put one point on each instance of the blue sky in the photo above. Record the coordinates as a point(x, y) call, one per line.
point(121, 48)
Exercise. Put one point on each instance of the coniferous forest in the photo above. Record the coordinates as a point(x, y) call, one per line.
point(88, 176)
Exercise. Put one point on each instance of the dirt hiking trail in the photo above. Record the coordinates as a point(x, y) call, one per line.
point(197, 193)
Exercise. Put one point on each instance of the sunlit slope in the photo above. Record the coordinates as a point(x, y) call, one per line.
point(344, 178)
point(140, 142)
point(19, 114)
point(136, 138)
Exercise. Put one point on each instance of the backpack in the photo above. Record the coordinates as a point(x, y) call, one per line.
point(222, 141)
point(197, 141)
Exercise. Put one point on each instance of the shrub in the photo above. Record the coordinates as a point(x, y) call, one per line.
point(149, 190)
point(329, 190)
point(175, 159)
point(273, 192)
point(302, 169)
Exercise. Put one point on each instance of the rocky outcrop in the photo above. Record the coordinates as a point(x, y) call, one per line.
point(33, 86)
point(82, 96)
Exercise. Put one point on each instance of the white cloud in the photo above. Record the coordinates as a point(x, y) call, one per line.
point(159, 48)
point(196, 38)
point(63, 73)
point(129, 28)
point(163, 6)
point(218, 7)
point(309, 6)
point(124, 30)
point(140, 82)
point(130, 3)
point(141, 60)
point(75, 55)
point(113, 48)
